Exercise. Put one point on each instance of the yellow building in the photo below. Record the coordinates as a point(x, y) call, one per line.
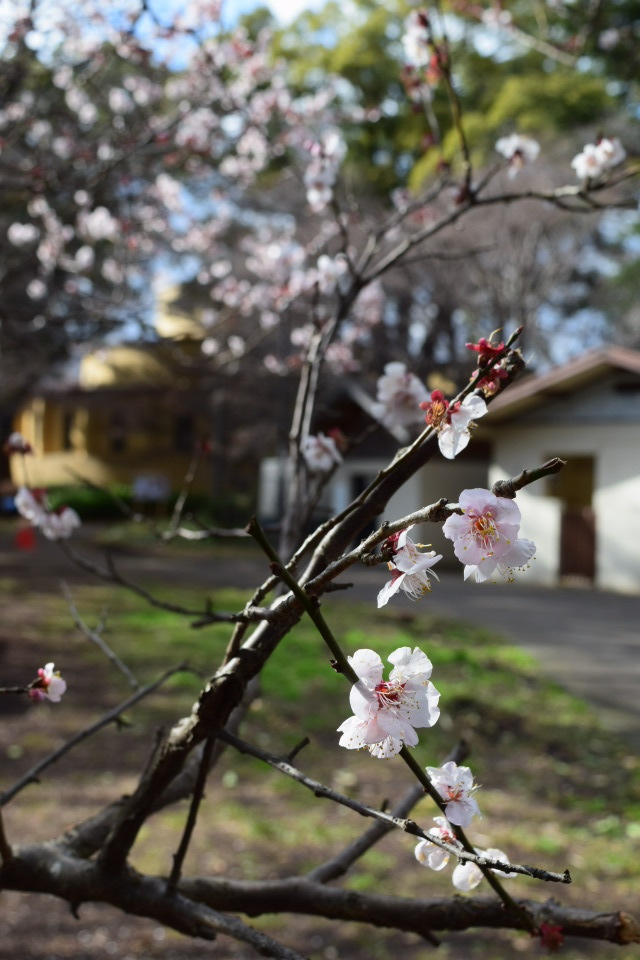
point(131, 417)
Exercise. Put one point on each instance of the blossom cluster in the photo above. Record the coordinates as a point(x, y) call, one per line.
point(55, 525)
point(596, 159)
point(410, 568)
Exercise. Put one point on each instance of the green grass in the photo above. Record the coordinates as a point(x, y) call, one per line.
point(556, 789)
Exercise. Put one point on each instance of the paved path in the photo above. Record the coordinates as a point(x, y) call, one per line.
point(588, 640)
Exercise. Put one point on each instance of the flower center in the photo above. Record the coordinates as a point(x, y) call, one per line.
point(484, 529)
point(389, 693)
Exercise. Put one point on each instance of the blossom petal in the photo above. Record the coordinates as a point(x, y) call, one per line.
point(390, 588)
point(466, 876)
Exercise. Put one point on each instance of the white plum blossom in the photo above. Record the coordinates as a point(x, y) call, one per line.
point(320, 176)
point(597, 158)
point(55, 525)
point(455, 785)
point(59, 526)
point(485, 537)
point(399, 395)
point(98, 224)
point(410, 569)
point(29, 506)
point(453, 423)
point(329, 272)
point(518, 150)
point(48, 686)
point(432, 856)
point(320, 453)
point(387, 711)
point(415, 39)
point(20, 234)
point(467, 876)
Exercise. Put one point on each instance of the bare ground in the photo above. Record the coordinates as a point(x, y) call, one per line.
point(42, 928)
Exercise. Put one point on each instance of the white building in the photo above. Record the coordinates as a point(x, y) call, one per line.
point(586, 519)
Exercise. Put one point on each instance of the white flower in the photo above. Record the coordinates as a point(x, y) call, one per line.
point(409, 568)
point(48, 686)
point(399, 396)
point(59, 526)
point(322, 172)
point(98, 224)
point(20, 234)
point(518, 150)
point(386, 711)
point(320, 453)
point(597, 158)
point(455, 785)
point(453, 423)
point(467, 876)
point(329, 271)
point(432, 856)
point(29, 507)
point(415, 39)
point(485, 536)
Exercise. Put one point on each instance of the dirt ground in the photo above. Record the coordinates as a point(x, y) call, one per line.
point(43, 928)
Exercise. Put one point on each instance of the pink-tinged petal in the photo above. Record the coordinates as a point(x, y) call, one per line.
point(508, 512)
point(368, 665)
point(56, 689)
point(390, 588)
point(486, 568)
point(477, 499)
point(519, 555)
point(466, 876)
point(455, 527)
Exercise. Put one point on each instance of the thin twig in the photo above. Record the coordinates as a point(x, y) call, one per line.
point(31, 775)
point(189, 827)
point(95, 637)
point(407, 826)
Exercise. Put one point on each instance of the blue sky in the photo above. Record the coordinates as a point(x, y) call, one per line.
point(284, 10)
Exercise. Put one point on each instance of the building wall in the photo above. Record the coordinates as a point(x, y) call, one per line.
point(73, 441)
point(616, 501)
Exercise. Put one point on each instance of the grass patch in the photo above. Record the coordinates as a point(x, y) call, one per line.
point(556, 789)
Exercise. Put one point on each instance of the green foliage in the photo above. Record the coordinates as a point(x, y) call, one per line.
point(516, 89)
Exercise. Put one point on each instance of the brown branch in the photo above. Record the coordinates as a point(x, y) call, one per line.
point(43, 868)
point(203, 617)
point(509, 488)
point(297, 895)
